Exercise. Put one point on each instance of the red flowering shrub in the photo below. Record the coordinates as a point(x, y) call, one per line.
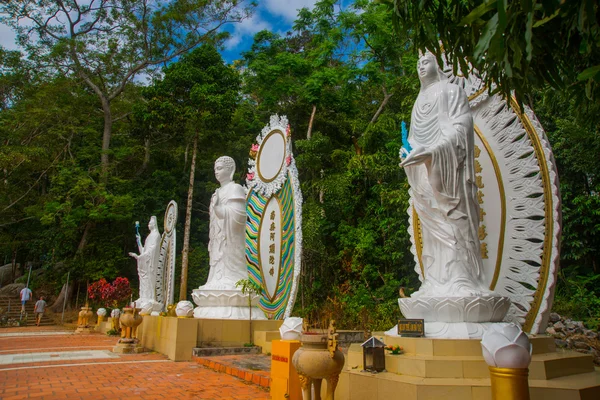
point(107, 294)
point(95, 290)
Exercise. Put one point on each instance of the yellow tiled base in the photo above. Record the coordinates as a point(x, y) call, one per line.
point(455, 369)
point(458, 347)
point(356, 385)
point(264, 339)
point(176, 337)
point(104, 327)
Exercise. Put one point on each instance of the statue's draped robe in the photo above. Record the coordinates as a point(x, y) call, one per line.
point(147, 265)
point(226, 238)
point(444, 193)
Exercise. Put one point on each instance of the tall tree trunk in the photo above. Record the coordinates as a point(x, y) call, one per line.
point(13, 270)
point(185, 156)
point(146, 157)
point(106, 135)
point(386, 99)
point(67, 292)
point(310, 123)
point(188, 222)
point(84, 237)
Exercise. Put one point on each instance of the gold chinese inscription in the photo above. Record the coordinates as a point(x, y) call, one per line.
point(272, 229)
point(480, 185)
point(411, 327)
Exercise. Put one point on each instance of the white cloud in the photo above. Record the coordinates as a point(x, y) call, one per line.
point(247, 27)
point(7, 38)
point(288, 9)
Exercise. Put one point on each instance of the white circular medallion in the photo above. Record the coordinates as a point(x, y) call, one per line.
point(271, 157)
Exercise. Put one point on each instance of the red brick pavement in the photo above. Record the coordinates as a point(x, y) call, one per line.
point(141, 376)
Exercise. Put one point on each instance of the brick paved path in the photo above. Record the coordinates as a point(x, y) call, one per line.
point(140, 376)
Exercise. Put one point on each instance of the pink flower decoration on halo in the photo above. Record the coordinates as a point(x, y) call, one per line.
point(250, 176)
point(254, 147)
point(288, 130)
point(288, 160)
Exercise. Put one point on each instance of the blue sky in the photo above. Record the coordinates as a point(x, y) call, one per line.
point(275, 15)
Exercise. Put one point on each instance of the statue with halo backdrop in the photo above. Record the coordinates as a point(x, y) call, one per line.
point(220, 298)
point(484, 211)
point(156, 263)
point(255, 234)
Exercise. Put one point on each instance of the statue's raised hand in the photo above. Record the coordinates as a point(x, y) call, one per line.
point(417, 156)
point(136, 256)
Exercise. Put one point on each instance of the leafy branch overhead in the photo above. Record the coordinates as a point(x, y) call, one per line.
point(521, 45)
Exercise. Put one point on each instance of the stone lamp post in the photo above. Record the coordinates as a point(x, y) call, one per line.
point(507, 351)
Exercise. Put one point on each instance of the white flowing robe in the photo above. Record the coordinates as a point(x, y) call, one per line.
point(226, 238)
point(444, 193)
point(147, 264)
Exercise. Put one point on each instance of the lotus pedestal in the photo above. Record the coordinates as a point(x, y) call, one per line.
point(454, 317)
point(225, 304)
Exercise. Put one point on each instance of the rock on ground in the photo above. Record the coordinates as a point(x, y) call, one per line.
point(12, 290)
point(573, 335)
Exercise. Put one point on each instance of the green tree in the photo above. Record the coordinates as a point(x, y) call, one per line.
point(196, 98)
point(520, 45)
point(107, 43)
point(355, 239)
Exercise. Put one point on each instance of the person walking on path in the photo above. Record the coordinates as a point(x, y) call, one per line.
point(25, 297)
point(40, 306)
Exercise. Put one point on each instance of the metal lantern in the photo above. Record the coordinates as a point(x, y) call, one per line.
point(373, 355)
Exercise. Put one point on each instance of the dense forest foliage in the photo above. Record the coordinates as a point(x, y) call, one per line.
point(346, 79)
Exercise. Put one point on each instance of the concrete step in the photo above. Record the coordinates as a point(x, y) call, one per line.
point(253, 368)
point(357, 385)
point(543, 366)
point(225, 351)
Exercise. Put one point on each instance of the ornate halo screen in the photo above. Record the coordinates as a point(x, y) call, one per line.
point(518, 194)
point(274, 223)
point(165, 273)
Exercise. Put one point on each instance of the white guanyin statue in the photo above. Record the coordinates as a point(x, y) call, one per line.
point(227, 229)
point(147, 264)
point(439, 163)
point(441, 173)
point(219, 297)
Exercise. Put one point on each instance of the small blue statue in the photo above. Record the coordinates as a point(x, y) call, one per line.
point(137, 233)
point(406, 147)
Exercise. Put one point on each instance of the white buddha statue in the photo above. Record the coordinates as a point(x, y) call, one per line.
point(440, 170)
point(227, 230)
point(147, 264)
point(219, 298)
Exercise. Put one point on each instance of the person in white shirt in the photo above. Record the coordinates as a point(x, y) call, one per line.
point(25, 297)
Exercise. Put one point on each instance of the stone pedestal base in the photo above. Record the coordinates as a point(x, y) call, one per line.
point(128, 346)
point(84, 329)
point(104, 327)
point(225, 304)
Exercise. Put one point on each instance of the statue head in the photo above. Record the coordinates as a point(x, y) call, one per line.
point(153, 224)
point(428, 69)
point(224, 169)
